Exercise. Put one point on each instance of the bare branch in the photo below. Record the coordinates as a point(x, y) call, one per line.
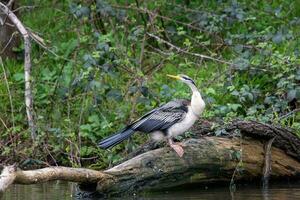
point(10, 3)
point(9, 93)
point(267, 163)
point(289, 114)
point(11, 175)
point(187, 52)
point(27, 67)
point(24, 7)
point(9, 41)
point(144, 10)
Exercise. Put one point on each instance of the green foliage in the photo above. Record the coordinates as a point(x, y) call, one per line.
point(102, 70)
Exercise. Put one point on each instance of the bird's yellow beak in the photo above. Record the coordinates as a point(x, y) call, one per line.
point(172, 76)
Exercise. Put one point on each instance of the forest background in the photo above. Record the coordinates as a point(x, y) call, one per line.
point(98, 65)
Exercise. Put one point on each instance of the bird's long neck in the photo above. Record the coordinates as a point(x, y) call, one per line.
point(197, 103)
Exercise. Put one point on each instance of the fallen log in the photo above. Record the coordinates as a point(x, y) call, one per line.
point(285, 139)
point(207, 159)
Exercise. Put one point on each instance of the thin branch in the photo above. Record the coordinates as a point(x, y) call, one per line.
point(289, 114)
point(9, 93)
point(142, 52)
point(187, 52)
point(9, 24)
point(143, 10)
point(27, 67)
point(4, 124)
point(9, 41)
point(267, 163)
point(40, 41)
point(24, 7)
point(9, 4)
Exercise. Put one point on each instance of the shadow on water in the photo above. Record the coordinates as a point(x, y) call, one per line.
point(64, 190)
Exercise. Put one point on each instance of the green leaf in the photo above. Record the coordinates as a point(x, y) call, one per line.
point(241, 63)
point(234, 106)
point(291, 95)
point(211, 91)
point(19, 77)
point(86, 127)
point(115, 94)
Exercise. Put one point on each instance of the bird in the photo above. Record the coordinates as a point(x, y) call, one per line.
point(164, 122)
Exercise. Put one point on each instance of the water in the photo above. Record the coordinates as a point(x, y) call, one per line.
point(63, 190)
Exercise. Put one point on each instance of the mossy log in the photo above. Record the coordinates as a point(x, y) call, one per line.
point(207, 159)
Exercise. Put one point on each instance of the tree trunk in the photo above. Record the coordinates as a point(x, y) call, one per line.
point(207, 159)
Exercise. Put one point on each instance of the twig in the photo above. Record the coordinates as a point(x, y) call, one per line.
point(23, 7)
point(9, 4)
point(267, 163)
point(9, 41)
point(197, 54)
point(9, 24)
point(49, 153)
point(27, 68)
point(187, 52)
point(289, 114)
point(232, 186)
point(40, 42)
point(142, 52)
point(4, 124)
point(143, 10)
point(142, 16)
point(9, 93)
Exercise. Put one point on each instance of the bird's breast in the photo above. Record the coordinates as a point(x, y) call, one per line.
point(182, 126)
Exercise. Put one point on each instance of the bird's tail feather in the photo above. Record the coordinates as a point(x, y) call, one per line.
point(116, 138)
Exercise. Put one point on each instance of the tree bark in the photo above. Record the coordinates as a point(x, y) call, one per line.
point(27, 66)
point(285, 139)
point(207, 159)
point(11, 174)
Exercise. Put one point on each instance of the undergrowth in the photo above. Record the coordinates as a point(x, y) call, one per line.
point(101, 69)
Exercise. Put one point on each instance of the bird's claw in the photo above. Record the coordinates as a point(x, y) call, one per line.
point(178, 149)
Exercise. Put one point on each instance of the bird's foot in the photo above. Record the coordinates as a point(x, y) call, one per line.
point(177, 148)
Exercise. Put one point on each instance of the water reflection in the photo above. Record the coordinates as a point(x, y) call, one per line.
point(45, 191)
point(63, 190)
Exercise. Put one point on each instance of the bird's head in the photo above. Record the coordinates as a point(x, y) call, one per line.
point(183, 78)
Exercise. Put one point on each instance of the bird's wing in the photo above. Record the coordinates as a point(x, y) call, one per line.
point(162, 117)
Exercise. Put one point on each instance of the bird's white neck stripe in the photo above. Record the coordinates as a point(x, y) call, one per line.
point(196, 115)
point(193, 88)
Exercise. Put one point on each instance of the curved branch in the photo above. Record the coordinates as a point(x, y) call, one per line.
point(187, 52)
point(27, 67)
point(12, 175)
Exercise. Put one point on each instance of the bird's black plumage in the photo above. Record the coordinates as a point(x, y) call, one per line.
point(159, 119)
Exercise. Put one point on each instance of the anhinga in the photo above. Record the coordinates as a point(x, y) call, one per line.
point(166, 121)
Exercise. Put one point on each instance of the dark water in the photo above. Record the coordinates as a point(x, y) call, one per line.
point(63, 190)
